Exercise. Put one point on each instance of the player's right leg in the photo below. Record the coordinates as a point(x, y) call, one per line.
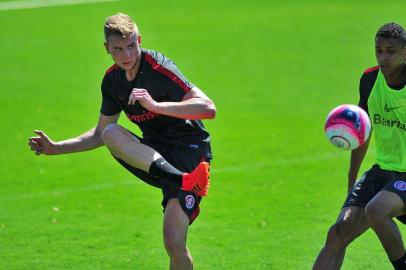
point(128, 148)
point(351, 223)
point(352, 220)
point(176, 224)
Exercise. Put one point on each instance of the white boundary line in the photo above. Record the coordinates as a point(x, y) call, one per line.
point(135, 181)
point(16, 5)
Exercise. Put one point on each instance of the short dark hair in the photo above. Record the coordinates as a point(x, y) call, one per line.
point(392, 30)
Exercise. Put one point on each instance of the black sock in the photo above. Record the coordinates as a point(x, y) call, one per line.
point(400, 264)
point(163, 169)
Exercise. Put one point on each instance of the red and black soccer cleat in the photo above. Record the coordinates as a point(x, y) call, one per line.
point(198, 180)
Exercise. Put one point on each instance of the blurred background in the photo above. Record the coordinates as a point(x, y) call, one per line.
point(274, 70)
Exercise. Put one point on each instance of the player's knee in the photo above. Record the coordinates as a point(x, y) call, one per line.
point(175, 247)
point(374, 213)
point(337, 237)
point(109, 134)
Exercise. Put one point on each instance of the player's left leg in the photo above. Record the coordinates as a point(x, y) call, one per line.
point(128, 148)
point(175, 229)
point(380, 212)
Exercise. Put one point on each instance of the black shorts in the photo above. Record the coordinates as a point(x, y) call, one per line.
point(181, 159)
point(374, 181)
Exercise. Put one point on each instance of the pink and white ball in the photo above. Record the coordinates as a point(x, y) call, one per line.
point(347, 127)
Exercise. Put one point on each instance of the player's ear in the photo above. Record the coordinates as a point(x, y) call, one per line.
point(139, 39)
point(106, 46)
point(404, 52)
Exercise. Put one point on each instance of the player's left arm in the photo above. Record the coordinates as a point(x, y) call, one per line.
point(195, 104)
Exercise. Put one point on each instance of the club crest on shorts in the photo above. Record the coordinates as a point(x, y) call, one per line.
point(189, 201)
point(400, 185)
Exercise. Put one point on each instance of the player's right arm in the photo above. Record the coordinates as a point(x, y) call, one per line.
point(89, 140)
point(357, 156)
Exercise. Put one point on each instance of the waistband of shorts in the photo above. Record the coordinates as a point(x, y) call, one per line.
point(376, 166)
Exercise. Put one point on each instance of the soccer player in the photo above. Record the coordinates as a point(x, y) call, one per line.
point(174, 152)
point(380, 194)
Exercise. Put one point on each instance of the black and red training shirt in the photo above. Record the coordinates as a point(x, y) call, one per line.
point(366, 84)
point(164, 82)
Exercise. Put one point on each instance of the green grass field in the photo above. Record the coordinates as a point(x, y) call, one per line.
point(274, 70)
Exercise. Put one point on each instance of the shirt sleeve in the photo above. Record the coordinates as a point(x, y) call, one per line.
point(109, 105)
point(366, 84)
point(180, 84)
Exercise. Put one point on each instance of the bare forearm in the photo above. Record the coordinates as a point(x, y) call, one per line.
point(357, 156)
point(87, 141)
point(193, 109)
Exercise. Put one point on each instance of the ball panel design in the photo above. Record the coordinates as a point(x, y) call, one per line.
point(347, 127)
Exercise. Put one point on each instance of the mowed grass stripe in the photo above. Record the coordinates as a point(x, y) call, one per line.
point(221, 170)
point(274, 70)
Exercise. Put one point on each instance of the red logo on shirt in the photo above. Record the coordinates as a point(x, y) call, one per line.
point(142, 117)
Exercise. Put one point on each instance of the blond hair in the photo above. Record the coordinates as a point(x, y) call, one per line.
point(120, 24)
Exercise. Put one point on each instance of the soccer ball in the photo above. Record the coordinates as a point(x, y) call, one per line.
point(347, 127)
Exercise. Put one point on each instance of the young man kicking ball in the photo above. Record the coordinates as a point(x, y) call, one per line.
point(173, 153)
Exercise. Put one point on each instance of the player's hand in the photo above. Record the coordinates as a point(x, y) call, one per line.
point(144, 98)
point(42, 144)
